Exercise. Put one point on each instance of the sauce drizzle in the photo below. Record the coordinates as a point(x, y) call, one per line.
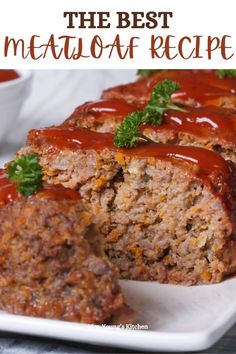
point(8, 192)
point(107, 107)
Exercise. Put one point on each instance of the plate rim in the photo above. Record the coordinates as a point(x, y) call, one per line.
point(116, 337)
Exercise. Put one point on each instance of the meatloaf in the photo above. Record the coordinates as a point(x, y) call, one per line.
point(52, 263)
point(198, 88)
point(210, 127)
point(166, 212)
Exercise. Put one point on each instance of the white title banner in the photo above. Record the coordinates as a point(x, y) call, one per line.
point(120, 34)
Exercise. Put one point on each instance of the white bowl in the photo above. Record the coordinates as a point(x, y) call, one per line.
point(12, 96)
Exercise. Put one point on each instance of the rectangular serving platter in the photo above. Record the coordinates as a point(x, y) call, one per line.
point(169, 318)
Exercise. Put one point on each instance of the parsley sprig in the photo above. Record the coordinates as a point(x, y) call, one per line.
point(128, 133)
point(226, 73)
point(27, 172)
point(146, 72)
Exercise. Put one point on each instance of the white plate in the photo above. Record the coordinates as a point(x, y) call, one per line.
point(179, 319)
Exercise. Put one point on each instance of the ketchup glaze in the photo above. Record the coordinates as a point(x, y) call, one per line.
point(8, 192)
point(113, 106)
point(205, 122)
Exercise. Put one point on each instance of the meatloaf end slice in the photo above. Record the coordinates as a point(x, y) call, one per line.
point(166, 212)
point(52, 261)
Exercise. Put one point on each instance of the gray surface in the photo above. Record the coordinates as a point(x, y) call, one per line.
point(16, 344)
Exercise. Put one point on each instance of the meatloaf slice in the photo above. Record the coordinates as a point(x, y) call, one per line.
point(211, 127)
point(198, 88)
point(104, 115)
point(52, 264)
point(166, 212)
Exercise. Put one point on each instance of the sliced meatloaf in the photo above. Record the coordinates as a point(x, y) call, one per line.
point(52, 264)
point(166, 212)
point(210, 127)
point(104, 115)
point(198, 88)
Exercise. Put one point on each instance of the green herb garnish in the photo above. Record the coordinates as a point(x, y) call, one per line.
point(146, 72)
point(226, 73)
point(128, 133)
point(27, 171)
